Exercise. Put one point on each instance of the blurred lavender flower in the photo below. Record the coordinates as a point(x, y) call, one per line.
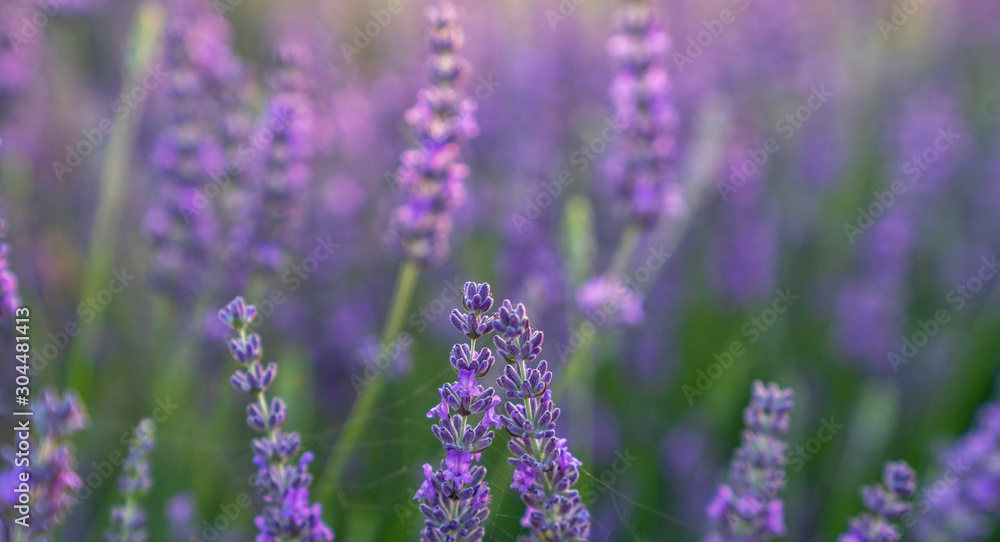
point(128, 520)
point(748, 508)
point(887, 503)
point(644, 172)
point(455, 499)
point(967, 507)
point(287, 514)
point(433, 175)
point(54, 481)
point(10, 297)
point(179, 511)
point(602, 298)
point(545, 470)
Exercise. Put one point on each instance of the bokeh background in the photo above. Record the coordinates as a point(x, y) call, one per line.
point(821, 105)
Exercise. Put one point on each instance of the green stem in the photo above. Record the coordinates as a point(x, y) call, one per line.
point(328, 482)
point(148, 27)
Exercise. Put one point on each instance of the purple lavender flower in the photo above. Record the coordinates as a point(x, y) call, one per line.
point(886, 503)
point(602, 298)
point(455, 499)
point(644, 172)
point(432, 175)
point(969, 505)
point(284, 481)
point(748, 507)
point(54, 481)
point(545, 470)
point(128, 520)
point(10, 297)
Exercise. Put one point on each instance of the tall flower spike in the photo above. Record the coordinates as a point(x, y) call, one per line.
point(282, 474)
point(54, 480)
point(643, 171)
point(968, 508)
point(432, 175)
point(545, 470)
point(886, 503)
point(455, 498)
point(10, 298)
point(748, 508)
point(128, 520)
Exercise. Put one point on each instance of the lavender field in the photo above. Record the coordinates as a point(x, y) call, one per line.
point(499, 270)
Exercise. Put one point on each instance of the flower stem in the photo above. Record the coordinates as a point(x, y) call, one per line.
point(328, 482)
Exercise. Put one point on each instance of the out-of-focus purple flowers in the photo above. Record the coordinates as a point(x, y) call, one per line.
point(545, 470)
point(284, 481)
point(604, 300)
point(748, 508)
point(54, 481)
point(967, 506)
point(432, 175)
point(455, 499)
point(644, 172)
point(886, 503)
point(10, 297)
point(128, 520)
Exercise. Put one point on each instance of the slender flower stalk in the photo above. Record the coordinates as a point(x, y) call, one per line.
point(282, 474)
point(966, 507)
point(54, 482)
point(128, 520)
point(455, 499)
point(886, 503)
point(748, 509)
point(545, 470)
point(432, 175)
point(10, 297)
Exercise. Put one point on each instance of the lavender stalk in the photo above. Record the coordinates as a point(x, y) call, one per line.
point(282, 474)
point(128, 520)
point(886, 504)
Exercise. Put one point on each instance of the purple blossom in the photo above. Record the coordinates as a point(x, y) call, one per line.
point(644, 171)
point(10, 297)
point(545, 471)
point(455, 499)
point(432, 175)
point(128, 520)
point(748, 508)
point(886, 503)
point(969, 505)
point(602, 298)
point(283, 480)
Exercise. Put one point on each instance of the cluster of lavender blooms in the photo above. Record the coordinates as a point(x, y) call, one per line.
point(432, 175)
point(966, 501)
point(128, 520)
point(283, 480)
point(545, 470)
point(290, 116)
point(455, 498)
point(886, 503)
point(190, 150)
point(644, 172)
point(10, 297)
point(748, 507)
point(49, 471)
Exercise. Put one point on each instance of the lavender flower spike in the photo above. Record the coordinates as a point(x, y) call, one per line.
point(128, 520)
point(545, 470)
point(283, 479)
point(748, 508)
point(886, 503)
point(10, 299)
point(432, 175)
point(968, 508)
point(454, 498)
point(643, 170)
point(51, 470)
